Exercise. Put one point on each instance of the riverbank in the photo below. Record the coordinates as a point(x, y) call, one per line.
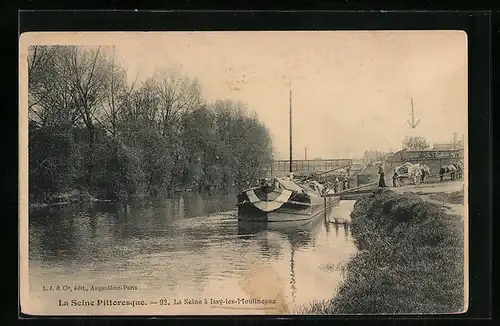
point(79, 197)
point(67, 198)
point(456, 197)
point(410, 258)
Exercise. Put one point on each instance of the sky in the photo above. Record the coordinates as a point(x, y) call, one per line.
point(351, 91)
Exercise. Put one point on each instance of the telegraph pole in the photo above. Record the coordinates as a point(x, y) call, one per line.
point(305, 153)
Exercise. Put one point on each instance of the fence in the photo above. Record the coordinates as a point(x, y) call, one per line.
point(282, 167)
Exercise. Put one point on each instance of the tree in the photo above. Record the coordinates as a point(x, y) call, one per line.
point(54, 153)
point(50, 100)
point(177, 95)
point(118, 96)
point(92, 130)
point(87, 72)
point(415, 143)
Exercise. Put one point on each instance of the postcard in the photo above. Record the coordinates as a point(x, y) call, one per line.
point(243, 173)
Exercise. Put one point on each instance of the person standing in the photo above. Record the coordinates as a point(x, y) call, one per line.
point(381, 182)
point(395, 178)
point(423, 172)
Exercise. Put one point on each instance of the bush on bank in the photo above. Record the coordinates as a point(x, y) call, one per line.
point(410, 259)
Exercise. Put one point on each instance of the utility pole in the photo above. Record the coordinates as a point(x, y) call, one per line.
point(305, 153)
point(454, 140)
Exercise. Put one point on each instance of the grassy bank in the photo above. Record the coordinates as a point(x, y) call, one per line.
point(410, 259)
point(456, 197)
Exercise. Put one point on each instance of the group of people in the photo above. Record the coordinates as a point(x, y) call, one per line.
point(337, 183)
point(417, 172)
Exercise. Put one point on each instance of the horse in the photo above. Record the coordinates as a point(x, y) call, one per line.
point(415, 173)
point(451, 169)
point(411, 171)
point(459, 173)
point(460, 169)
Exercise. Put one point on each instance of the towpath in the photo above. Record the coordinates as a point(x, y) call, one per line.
point(426, 190)
point(430, 192)
point(446, 187)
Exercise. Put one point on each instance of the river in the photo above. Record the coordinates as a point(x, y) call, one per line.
point(187, 248)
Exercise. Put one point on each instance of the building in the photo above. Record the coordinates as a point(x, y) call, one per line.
point(439, 146)
point(449, 145)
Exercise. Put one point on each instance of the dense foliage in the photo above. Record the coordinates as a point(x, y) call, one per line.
point(91, 129)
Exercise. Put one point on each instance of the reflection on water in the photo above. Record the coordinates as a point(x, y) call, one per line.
point(189, 247)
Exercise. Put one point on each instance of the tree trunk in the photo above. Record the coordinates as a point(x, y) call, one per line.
point(91, 158)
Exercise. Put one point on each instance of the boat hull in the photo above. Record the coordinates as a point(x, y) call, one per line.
point(286, 213)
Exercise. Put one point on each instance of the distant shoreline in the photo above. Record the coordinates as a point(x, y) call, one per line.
point(71, 197)
point(79, 197)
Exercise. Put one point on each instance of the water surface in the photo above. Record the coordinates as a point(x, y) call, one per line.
point(191, 247)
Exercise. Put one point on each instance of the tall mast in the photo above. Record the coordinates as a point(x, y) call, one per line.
point(290, 99)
